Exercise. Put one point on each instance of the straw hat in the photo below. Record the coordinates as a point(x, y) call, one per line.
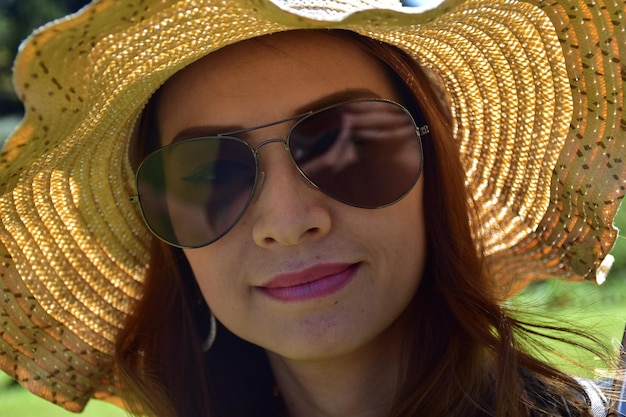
point(536, 90)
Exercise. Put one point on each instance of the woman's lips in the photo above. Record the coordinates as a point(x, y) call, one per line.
point(315, 282)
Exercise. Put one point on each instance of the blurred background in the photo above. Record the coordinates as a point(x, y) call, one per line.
point(601, 308)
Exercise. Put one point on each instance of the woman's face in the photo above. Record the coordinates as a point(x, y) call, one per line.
point(300, 274)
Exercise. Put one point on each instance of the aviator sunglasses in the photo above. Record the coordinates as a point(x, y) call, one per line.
point(364, 153)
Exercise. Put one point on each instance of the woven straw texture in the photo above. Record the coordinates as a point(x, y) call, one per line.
point(536, 90)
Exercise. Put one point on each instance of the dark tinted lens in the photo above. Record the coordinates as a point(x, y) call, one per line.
point(365, 153)
point(192, 192)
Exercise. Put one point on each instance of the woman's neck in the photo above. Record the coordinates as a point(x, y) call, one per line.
point(359, 384)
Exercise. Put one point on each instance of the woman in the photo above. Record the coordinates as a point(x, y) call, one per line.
point(371, 291)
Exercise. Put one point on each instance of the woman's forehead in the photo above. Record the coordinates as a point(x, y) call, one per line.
point(290, 48)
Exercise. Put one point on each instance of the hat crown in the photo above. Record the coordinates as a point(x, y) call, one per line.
point(337, 10)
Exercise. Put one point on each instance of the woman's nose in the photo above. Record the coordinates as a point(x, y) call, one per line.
point(286, 210)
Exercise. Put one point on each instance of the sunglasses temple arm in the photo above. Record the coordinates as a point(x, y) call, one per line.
point(618, 408)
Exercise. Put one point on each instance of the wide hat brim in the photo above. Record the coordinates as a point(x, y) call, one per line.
point(536, 90)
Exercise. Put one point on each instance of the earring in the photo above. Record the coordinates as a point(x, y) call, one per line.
point(206, 345)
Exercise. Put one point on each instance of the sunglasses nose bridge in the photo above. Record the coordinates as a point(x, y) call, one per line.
point(258, 147)
point(267, 142)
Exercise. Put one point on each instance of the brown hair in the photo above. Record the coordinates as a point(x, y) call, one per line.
point(461, 353)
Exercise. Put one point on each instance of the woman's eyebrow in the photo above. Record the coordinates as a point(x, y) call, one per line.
point(320, 103)
point(334, 98)
point(204, 131)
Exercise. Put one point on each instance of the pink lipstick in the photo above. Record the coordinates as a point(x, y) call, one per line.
point(315, 282)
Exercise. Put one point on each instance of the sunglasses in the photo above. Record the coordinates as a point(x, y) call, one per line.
point(365, 153)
